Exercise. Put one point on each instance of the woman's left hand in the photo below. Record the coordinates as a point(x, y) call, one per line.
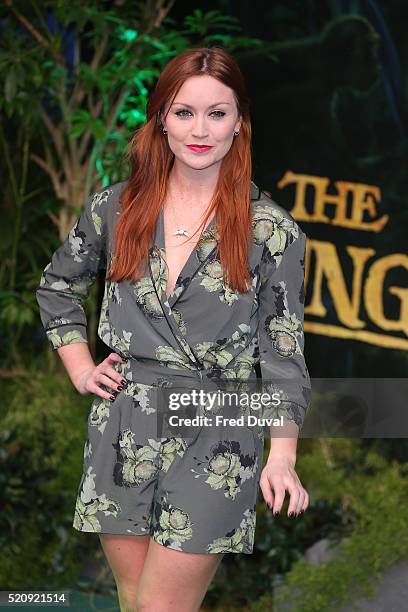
point(277, 476)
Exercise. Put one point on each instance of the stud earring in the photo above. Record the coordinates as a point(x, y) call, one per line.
point(236, 133)
point(164, 131)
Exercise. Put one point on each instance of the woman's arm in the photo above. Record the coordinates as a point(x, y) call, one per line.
point(86, 376)
point(68, 277)
point(281, 344)
point(77, 360)
point(64, 286)
point(281, 340)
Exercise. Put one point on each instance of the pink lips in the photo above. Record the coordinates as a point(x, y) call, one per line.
point(199, 149)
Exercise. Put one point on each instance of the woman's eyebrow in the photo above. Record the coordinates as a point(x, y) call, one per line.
point(211, 105)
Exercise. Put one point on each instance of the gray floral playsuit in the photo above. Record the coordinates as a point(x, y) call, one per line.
point(198, 492)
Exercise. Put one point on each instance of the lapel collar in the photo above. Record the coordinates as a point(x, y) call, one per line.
point(159, 276)
point(203, 252)
point(199, 256)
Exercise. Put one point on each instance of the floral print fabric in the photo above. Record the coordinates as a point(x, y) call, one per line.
point(133, 480)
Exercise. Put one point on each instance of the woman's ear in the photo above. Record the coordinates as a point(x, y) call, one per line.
point(159, 119)
point(162, 114)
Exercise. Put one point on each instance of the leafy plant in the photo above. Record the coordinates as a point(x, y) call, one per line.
point(76, 79)
point(42, 427)
point(372, 496)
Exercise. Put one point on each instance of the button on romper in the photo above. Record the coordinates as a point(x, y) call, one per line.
point(197, 492)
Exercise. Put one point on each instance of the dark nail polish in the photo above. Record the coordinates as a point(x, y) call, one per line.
point(123, 381)
point(291, 513)
point(275, 513)
point(112, 397)
point(120, 388)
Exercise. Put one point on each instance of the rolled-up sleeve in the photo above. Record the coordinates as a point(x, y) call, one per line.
point(281, 334)
point(66, 280)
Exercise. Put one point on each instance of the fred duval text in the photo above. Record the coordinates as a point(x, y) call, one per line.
point(242, 421)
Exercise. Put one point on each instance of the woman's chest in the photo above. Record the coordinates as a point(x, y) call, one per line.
point(179, 249)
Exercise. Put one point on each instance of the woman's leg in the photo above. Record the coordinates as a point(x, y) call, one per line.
point(172, 580)
point(125, 555)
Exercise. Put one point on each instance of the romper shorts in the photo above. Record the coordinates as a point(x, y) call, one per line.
point(195, 493)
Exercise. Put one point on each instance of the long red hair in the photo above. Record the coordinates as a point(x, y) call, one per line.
point(151, 160)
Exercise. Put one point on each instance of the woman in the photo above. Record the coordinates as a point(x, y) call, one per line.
point(204, 282)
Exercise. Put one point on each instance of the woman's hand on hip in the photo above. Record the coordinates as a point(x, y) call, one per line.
point(89, 380)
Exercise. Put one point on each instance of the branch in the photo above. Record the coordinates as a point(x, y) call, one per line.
point(56, 135)
point(15, 373)
point(160, 11)
point(78, 92)
point(115, 111)
point(34, 32)
point(85, 138)
point(53, 218)
point(50, 169)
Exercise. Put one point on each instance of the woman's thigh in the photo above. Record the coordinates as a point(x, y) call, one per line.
point(126, 556)
point(174, 580)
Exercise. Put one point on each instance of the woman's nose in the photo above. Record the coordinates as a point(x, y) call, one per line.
point(200, 128)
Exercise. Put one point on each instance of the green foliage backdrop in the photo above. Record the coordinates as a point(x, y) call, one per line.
point(75, 79)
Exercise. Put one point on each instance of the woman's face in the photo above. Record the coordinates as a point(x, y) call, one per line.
point(204, 112)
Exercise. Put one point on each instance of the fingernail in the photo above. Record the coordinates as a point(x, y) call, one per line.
point(291, 513)
point(123, 381)
point(120, 388)
point(112, 397)
point(276, 512)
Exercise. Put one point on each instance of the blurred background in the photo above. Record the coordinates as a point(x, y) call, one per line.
point(328, 81)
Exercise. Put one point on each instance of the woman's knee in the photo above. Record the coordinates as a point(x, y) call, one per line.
point(127, 594)
point(173, 581)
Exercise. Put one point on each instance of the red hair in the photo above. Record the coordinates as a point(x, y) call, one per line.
point(151, 160)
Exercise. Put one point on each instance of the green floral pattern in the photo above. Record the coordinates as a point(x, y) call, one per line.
point(133, 480)
point(273, 229)
point(88, 504)
point(238, 540)
point(227, 467)
point(145, 294)
point(136, 463)
point(172, 525)
point(284, 330)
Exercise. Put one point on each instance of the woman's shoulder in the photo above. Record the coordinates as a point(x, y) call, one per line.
point(266, 212)
point(109, 194)
point(262, 202)
point(105, 201)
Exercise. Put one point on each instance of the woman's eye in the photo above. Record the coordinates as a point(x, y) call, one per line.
point(218, 113)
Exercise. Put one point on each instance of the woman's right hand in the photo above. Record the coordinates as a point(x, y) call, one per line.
point(102, 374)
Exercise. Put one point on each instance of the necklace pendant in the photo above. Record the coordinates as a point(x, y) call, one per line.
point(181, 232)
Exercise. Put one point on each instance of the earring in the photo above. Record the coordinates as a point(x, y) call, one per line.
point(236, 133)
point(164, 131)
